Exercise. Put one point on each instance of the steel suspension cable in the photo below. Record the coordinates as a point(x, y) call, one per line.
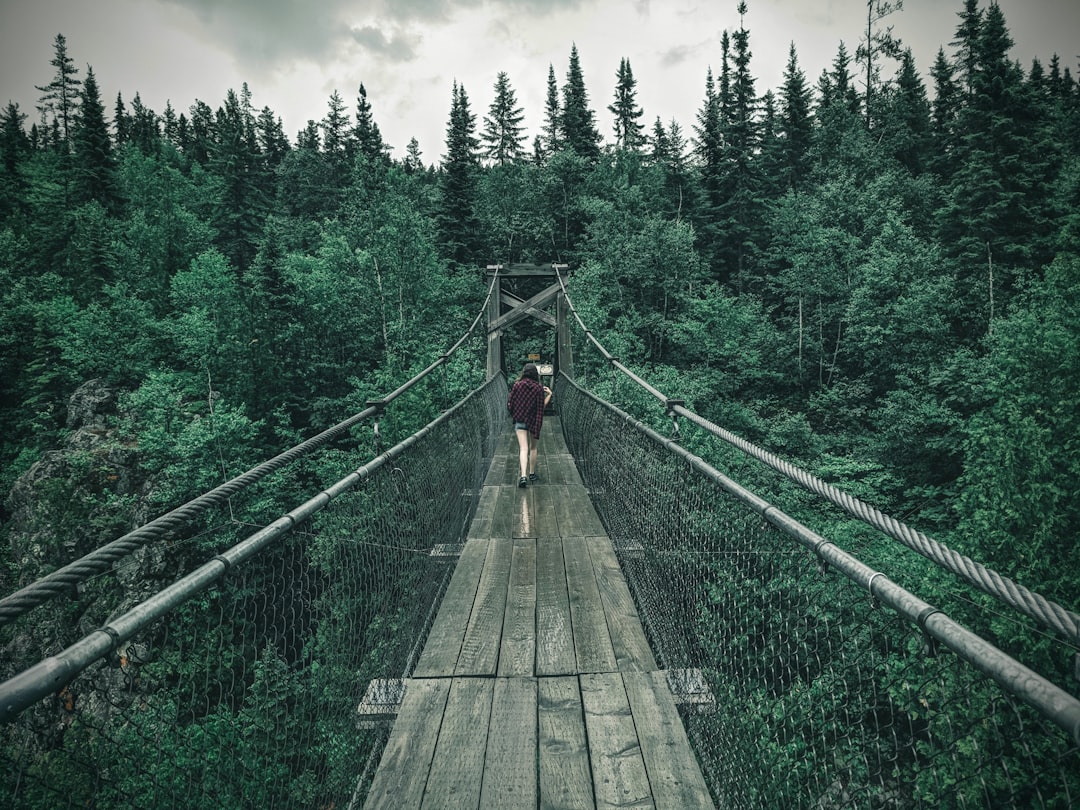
point(65, 579)
point(1031, 604)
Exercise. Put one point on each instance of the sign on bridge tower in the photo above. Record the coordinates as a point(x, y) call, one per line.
point(505, 309)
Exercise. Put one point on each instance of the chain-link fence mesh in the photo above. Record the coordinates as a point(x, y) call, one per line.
point(272, 687)
point(799, 690)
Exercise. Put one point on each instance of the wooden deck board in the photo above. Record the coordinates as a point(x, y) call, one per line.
point(457, 767)
point(403, 771)
point(518, 652)
point(554, 628)
point(536, 687)
point(443, 646)
point(619, 776)
point(510, 773)
point(674, 775)
point(565, 776)
point(592, 641)
point(480, 647)
point(628, 640)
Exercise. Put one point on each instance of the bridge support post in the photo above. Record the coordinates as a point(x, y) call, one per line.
point(564, 352)
point(494, 338)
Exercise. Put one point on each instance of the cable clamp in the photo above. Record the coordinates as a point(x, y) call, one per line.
point(931, 642)
point(221, 558)
point(870, 587)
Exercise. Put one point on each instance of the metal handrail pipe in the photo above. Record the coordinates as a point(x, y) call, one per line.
point(53, 673)
point(1052, 702)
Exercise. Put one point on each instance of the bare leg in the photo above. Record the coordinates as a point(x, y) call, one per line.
point(524, 441)
point(532, 454)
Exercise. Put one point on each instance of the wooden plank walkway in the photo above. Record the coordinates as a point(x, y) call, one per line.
point(537, 688)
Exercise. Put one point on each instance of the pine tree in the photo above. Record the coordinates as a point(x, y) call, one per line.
point(503, 134)
point(966, 43)
point(335, 127)
point(94, 167)
point(795, 126)
point(628, 130)
point(243, 205)
point(905, 118)
point(578, 121)
point(273, 143)
point(14, 148)
point(552, 137)
point(60, 97)
point(458, 225)
point(875, 44)
point(121, 122)
point(413, 162)
point(366, 132)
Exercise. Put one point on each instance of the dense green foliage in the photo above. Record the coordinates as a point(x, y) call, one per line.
point(881, 286)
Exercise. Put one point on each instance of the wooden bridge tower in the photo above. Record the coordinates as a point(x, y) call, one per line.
point(517, 308)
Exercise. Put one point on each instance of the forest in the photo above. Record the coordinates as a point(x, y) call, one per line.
point(873, 273)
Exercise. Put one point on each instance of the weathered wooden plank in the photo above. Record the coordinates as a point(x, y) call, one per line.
point(480, 647)
point(502, 522)
point(565, 780)
point(618, 769)
point(503, 470)
point(592, 640)
point(443, 646)
point(457, 766)
point(558, 468)
point(554, 629)
point(574, 512)
point(628, 640)
point(674, 773)
point(485, 511)
point(518, 651)
point(403, 771)
point(510, 774)
point(534, 513)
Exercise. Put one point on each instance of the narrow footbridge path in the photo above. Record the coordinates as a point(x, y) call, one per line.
point(537, 686)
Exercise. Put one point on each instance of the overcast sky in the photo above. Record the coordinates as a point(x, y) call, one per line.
point(407, 53)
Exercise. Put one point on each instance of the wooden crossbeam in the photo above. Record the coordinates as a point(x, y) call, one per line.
point(512, 300)
point(541, 299)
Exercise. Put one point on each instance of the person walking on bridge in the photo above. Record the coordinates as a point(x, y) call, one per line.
point(526, 404)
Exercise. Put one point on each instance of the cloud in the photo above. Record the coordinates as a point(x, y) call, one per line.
point(396, 48)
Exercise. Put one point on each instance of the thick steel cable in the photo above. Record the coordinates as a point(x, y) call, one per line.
point(1031, 604)
point(65, 579)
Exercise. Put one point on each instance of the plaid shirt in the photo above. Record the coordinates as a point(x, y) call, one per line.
point(526, 404)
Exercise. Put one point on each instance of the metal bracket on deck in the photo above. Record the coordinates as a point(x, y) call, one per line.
point(691, 691)
point(446, 552)
point(381, 703)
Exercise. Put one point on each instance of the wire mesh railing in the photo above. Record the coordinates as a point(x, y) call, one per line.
point(813, 681)
point(239, 685)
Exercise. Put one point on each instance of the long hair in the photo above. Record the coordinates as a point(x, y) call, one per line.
point(531, 372)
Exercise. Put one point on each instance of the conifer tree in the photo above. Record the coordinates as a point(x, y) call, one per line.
point(413, 162)
point(458, 225)
point(795, 126)
point(121, 122)
point(270, 133)
point(92, 159)
point(552, 129)
point(60, 97)
point(905, 119)
point(578, 120)
point(966, 44)
point(243, 205)
point(628, 130)
point(14, 147)
point(503, 134)
point(366, 132)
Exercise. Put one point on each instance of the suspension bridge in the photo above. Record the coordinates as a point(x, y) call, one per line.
point(643, 627)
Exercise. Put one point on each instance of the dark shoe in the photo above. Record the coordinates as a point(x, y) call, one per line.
point(533, 478)
point(522, 481)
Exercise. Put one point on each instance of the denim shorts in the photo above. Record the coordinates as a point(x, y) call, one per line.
point(520, 426)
